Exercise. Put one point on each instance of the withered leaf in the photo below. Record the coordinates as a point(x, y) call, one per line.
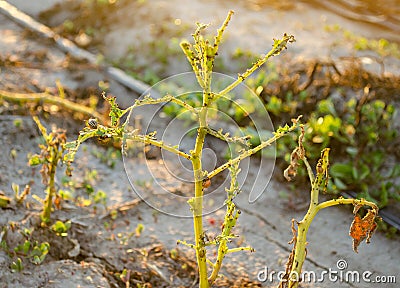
point(362, 228)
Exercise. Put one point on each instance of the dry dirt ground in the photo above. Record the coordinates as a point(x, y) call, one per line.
point(100, 244)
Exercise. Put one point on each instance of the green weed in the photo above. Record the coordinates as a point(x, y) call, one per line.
point(29, 249)
point(61, 228)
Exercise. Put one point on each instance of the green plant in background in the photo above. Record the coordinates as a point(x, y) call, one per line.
point(356, 135)
point(50, 156)
point(365, 130)
point(360, 130)
point(109, 157)
point(382, 47)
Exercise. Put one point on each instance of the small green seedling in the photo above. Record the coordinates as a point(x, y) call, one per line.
point(39, 252)
point(139, 229)
point(61, 228)
point(33, 250)
point(124, 276)
point(17, 266)
point(18, 123)
point(20, 197)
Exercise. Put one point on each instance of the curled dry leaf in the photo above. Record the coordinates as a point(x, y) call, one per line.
point(297, 155)
point(362, 228)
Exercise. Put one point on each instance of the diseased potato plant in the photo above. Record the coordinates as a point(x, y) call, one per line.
point(51, 155)
point(201, 56)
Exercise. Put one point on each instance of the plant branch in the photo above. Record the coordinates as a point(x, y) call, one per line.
point(277, 48)
point(279, 134)
point(225, 137)
point(167, 98)
point(149, 140)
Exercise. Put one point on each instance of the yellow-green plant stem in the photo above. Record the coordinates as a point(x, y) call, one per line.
point(48, 202)
point(52, 153)
point(199, 177)
point(202, 65)
point(197, 205)
point(201, 56)
point(222, 251)
point(147, 100)
point(160, 144)
point(303, 225)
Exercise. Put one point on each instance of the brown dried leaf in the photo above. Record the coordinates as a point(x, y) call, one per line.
point(297, 154)
point(362, 228)
point(289, 263)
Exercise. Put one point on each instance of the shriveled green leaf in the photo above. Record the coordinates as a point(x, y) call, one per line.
point(115, 112)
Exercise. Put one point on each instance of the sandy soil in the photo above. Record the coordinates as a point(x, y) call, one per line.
point(98, 246)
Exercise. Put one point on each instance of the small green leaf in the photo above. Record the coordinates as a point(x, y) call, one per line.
point(71, 145)
point(115, 112)
point(4, 201)
point(364, 172)
point(36, 260)
point(395, 171)
point(17, 266)
point(15, 188)
point(355, 173)
point(34, 160)
point(61, 228)
point(139, 229)
point(339, 184)
point(26, 246)
point(352, 151)
point(340, 170)
point(384, 198)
